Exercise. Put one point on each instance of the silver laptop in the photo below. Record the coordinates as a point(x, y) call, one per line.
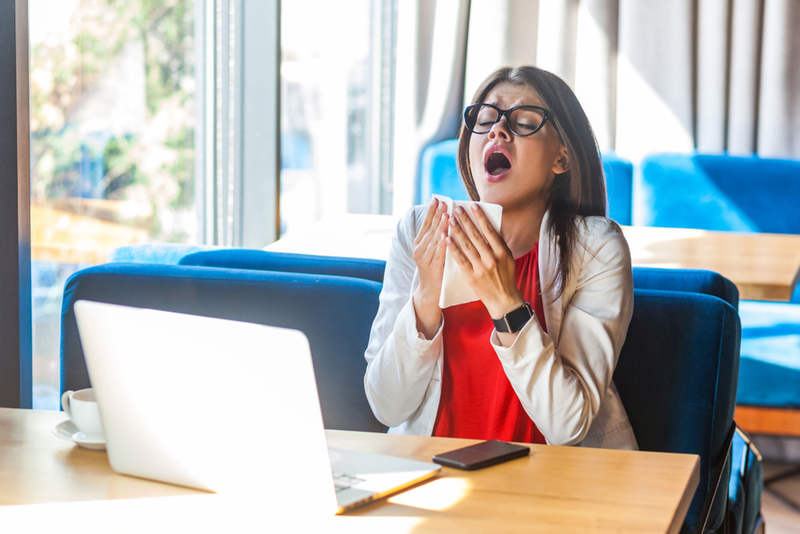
point(224, 406)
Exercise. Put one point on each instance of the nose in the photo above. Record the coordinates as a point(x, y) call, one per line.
point(500, 129)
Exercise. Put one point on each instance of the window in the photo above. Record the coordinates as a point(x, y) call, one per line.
point(149, 121)
point(326, 110)
point(112, 145)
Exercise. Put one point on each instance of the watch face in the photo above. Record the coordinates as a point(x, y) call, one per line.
point(514, 320)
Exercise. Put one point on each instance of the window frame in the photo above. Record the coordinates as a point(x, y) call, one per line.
point(16, 388)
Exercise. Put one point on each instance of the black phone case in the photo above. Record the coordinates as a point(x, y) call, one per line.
point(481, 455)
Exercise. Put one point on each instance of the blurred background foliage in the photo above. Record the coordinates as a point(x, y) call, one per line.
point(112, 118)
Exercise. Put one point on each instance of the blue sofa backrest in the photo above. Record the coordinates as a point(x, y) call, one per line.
point(264, 260)
point(439, 174)
point(619, 185)
point(718, 192)
point(687, 280)
point(334, 312)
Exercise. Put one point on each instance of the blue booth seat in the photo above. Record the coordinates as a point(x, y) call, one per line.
point(769, 373)
point(676, 373)
point(745, 483)
point(676, 376)
point(718, 192)
point(439, 175)
point(334, 312)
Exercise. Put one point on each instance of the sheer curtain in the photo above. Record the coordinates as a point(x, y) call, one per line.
point(653, 76)
point(430, 66)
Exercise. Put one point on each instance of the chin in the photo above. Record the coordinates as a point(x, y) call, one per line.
point(493, 197)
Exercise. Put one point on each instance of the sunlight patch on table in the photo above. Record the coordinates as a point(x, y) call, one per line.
point(437, 495)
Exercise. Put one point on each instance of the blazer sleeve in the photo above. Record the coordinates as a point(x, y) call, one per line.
point(400, 361)
point(562, 388)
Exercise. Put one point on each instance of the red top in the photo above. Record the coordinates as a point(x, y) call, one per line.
point(477, 399)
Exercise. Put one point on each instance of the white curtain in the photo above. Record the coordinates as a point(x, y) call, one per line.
point(779, 96)
point(653, 76)
point(721, 75)
point(430, 63)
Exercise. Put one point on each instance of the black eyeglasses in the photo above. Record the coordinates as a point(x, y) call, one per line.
point(522, 120)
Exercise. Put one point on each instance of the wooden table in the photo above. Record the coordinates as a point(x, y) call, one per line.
point(48, 483)
point(763, 266)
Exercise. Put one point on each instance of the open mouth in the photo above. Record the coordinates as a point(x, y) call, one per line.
point(497, 163)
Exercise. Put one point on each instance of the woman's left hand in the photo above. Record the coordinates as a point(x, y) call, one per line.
point(485, 261)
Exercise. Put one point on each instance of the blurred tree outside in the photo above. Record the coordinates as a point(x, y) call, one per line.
point(112, 114)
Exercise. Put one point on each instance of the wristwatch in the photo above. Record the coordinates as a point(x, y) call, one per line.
point(514, 320)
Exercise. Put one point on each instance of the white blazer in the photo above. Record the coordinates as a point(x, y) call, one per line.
point(563, 379)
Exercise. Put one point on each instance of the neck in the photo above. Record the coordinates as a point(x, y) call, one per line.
point(520, 229)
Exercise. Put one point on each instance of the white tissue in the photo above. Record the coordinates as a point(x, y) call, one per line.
point(455, 289)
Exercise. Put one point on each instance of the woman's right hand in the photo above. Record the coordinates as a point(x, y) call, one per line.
point(429, 254)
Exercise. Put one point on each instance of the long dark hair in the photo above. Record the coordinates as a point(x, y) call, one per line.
point(579, 192)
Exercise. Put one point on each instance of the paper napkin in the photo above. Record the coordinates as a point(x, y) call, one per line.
point(454, 288)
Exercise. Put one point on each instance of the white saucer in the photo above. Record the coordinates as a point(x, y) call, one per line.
point(67, 430)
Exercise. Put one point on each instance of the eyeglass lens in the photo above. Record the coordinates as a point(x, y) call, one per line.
point(522, 121)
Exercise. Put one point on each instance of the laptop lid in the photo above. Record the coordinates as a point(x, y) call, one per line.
point(208, 403)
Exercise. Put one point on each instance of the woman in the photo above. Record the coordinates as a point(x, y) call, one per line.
point(533, 359)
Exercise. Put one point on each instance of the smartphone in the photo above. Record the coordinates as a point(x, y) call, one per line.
point(481, 455)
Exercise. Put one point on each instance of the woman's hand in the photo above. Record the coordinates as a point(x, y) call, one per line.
point(429, 253)
point(485, 261)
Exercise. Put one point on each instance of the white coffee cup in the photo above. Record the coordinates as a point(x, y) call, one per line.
point(81, 407)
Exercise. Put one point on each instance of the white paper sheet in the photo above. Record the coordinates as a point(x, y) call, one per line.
point(454, 288)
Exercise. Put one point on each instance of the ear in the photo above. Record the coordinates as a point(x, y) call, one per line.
point(561, 165)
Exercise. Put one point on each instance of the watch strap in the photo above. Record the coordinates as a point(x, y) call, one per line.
point(514, 320)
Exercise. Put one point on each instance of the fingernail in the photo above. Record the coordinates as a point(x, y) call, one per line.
point(474, 207)
point(449, 240)
point(444, 216)
point(452, 222)
point(460, 209)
